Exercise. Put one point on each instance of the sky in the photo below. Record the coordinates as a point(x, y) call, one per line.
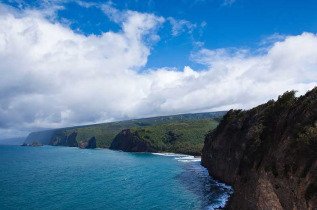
point(76, 62)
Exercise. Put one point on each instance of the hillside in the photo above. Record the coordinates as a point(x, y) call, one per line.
point(268, 154)
point(181, 137)
point(105, 133)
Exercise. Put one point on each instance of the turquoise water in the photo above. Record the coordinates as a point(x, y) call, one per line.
point(70, 178)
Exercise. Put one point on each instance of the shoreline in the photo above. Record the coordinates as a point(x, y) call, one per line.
point(100, 148)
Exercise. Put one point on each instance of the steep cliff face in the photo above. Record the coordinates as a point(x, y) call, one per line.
point(64, 140)
point(88, 144)
point(43, 137)
point(128, 141)
point(268, 154)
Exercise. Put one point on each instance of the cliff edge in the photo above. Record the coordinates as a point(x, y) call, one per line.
point(129, 141)
point(88, 143)
point(268, 154)
point(65, 140)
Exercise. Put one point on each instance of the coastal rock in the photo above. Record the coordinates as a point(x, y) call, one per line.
point(129, 141)
point(268, 154)
point(88, 144)
point(34, 144)
point(64, 140)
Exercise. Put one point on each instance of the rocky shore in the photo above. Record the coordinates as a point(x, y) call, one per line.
point(34, 144)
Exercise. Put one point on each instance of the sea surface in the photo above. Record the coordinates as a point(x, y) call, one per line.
point(70, 178)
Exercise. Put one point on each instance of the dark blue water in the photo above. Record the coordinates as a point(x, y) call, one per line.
point(70, 178)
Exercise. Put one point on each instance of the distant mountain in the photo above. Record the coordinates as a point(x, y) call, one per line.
point(105, 132)
point(12, 141)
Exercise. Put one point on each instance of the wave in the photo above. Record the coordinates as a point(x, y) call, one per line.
point(170, 154)
point(221, 202)
point(187, 159)
point(180, 157)
point(214, 195)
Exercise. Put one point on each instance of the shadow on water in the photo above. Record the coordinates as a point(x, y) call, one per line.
point(195, 178)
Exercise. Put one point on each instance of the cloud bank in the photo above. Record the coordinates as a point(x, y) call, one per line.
point(53, 77)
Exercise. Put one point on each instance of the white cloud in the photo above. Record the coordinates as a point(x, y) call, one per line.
point(53, 77)
point(113, 14)
point(271, 39)
point(203, 24)
point(47, 70)
point(86, 4)
point(180, 26)
point(228, 2)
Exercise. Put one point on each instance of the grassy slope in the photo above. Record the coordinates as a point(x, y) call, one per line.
point(105, 132)
point(181, 137)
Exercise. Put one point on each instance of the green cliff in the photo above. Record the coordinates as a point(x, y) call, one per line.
point(179, 137)
point(104, 133)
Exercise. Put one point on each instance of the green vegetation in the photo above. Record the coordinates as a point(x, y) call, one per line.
point(308, 134)
point(180, 137)
point(105, 132)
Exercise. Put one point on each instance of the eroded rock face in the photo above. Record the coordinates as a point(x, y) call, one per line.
point(88, 144)
point(268, 154)
point(64, 140)
point(128, 141)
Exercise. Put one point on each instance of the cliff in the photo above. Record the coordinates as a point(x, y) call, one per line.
point(128, 141)
point(185, 137)
point(43, 137)
point(88, 144)
point(268, 154)
point(105, 132)
point(65, 140)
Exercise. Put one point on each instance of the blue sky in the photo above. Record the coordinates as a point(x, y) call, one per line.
point(74, 62)
point(218, 23)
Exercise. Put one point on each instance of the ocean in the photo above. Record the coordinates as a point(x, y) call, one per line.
point(50, 177)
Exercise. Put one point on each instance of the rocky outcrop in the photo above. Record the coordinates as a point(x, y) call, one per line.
point(129, 141)
point(268, 154)
point(88, 144)
point(65, 140)
point(34, 144)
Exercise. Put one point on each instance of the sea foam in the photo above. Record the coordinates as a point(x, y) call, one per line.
point(169, 154)
point(187, 159)
point(180, 157)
